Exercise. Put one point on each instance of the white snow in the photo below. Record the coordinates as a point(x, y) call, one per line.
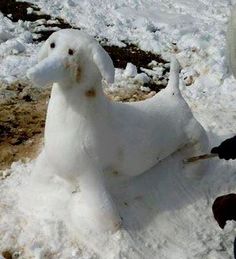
point(130, 70)
point(161, 222)
point(16, 50)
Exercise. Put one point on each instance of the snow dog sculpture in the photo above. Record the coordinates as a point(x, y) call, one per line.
point(87, 135)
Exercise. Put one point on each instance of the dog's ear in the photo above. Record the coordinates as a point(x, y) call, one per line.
point(103, 62)
point(43, 52)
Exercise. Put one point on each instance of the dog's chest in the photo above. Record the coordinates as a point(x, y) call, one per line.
point(71, 138)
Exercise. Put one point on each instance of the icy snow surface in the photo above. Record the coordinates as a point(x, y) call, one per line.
point(166, 214)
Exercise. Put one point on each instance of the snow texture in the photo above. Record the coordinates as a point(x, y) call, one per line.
point(165, 214)
point(16, 50)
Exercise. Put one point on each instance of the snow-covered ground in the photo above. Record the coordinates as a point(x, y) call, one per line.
point(166, 214)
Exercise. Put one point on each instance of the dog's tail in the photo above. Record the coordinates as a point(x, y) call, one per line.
point(231, 42)
point(173, 84)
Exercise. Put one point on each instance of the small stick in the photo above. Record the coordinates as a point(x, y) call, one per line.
point(197, 158)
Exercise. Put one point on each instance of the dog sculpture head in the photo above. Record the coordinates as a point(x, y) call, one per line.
point(70, 56)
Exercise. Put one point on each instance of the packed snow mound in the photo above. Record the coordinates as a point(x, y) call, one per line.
point(165, 215)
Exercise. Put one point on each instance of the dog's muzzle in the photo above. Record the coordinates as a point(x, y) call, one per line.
point(49, 70)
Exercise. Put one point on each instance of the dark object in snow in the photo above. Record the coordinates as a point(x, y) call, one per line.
point(131, 53)
point(235, 248)
point(227, 149)
point(224, 208)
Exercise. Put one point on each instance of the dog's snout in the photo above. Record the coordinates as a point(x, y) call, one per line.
point(49, 70)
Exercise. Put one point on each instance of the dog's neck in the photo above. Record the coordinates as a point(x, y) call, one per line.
point(82, 98)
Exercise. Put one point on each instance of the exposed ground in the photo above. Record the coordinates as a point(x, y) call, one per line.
point(22, 120)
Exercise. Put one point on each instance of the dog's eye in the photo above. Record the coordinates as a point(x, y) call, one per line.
point(52, 45)
point(71, 52)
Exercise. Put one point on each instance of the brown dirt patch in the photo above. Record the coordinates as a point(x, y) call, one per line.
point(130, 96)
point(22, 121)
point(131, 53)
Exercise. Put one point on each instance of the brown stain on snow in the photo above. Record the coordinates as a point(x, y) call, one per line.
point(91, 93)
point(115, 173)
point(7, 254)
point(78, 74)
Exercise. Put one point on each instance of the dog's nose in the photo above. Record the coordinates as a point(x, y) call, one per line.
point(49, 70)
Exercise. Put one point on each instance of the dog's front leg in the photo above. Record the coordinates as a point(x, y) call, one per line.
point(93, 203)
